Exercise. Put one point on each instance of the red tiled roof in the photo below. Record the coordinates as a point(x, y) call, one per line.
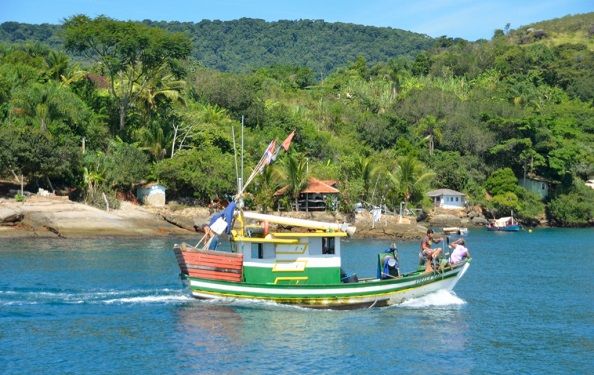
point(314, 186)
point(320, 187)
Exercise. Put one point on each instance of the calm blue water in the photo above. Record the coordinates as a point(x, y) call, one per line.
point(526, 306)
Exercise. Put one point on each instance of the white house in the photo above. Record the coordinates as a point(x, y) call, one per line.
point(447, 198)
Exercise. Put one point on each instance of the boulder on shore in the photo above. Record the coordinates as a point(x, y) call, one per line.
point(445, 220)
point(10, 216)
point(479, 220)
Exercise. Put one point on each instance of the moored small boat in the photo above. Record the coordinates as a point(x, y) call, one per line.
point(504, 224)
point(460, 231)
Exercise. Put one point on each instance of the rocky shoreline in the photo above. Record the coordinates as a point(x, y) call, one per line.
point(59, 217)
point(48, 215)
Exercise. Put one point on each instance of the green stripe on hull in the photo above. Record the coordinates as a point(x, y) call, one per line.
point(312, 275)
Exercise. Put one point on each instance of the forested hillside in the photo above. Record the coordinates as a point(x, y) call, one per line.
point(245, 44)
point(473, 117)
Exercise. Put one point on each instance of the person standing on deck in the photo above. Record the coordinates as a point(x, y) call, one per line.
point(427, 254)
point(212, 239)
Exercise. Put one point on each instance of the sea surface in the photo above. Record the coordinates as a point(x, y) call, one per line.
point(117, 306)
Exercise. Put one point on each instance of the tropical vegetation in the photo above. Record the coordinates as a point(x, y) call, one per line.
point(111, 104)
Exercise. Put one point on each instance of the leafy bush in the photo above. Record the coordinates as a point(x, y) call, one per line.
point(573, 209)
point(204, 173)
point(124, 165)
point(95, 198)
point(502, 181)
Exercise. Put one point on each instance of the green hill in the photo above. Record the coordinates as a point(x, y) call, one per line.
point(572, 29)
point(244, 44)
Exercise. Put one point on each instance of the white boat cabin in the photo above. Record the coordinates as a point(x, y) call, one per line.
point(291, 258)
point(311, 256)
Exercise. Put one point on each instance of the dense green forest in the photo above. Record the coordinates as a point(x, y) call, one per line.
point(470, 116)
point(244, 44)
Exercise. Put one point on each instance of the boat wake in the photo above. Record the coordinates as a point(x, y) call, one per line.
point(439, 299)
point(108, 297)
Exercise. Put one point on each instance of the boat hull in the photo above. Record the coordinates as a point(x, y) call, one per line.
point(336, 296)
point(509, 228)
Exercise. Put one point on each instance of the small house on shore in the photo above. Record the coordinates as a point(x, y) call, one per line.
point(318, 195)
point(151, 194)
point(537, 185)
point(447, 198)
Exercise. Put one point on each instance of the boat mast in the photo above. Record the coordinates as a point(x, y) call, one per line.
point(241, 151)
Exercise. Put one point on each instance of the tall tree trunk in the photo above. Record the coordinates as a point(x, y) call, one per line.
point(175, 128)
point(123, 111)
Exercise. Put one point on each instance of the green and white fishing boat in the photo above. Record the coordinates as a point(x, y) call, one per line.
point(301, 268)
point(298, 265)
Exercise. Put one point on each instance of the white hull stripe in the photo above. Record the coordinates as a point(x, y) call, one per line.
point(311, 262)
point(315, 291)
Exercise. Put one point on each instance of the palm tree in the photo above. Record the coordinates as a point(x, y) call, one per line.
point(430, 128)
point(368, 171)
point(92, 179)
point(163, 86)
point(57, 64)
point(410, 179)
point(294, 174)
point(48, 103)
point(265, 186)
point(154, 140)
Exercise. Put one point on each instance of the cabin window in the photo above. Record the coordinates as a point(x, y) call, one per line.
point(328, 245)
point(543, 186)
point(456, 199)
point(257, 251)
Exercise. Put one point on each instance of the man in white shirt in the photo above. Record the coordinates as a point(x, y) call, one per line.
point(460, 252)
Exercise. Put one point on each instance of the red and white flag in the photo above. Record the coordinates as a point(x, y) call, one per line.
point(269, 153)
point(287, 142)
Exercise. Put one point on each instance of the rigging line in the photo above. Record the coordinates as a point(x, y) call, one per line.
point(235, 153)
point(242, 148)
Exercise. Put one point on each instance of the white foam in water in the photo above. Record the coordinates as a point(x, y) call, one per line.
point(134, 296)
point(441, 298)
point(149, 299)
